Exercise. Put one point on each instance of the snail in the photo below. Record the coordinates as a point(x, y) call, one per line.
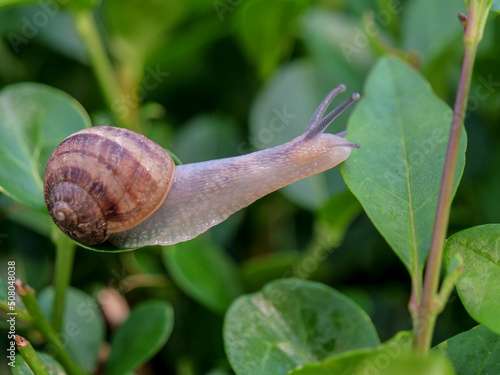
point(107, 183)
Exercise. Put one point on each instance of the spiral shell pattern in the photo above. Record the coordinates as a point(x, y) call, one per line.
point(104, 180)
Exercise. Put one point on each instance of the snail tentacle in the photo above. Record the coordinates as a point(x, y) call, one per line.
point(318, 115)
point(320, 126)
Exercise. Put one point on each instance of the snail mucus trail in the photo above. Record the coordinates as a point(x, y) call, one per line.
point(107, 183)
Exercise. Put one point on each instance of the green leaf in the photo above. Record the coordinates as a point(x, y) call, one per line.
point(140, 337)
point(53, 367)
point(479, 284)
point(34, 119)
point(337, 42)
point(396, 175)
point(333, 220)
point(37, 221)
point(440, 18)
point(292, 322)
point(476, 351)
point(379, 362)
point(60, 33)
point(106, 247)
point(82, 328)
point(204, 272)
point(361, 361)
point(266, 30)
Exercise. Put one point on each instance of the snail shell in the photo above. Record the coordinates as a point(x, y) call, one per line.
point(104, 180)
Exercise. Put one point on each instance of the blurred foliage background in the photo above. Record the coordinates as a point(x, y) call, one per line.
point(217, 78)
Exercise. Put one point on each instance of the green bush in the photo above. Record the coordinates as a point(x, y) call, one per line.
point(303, 281)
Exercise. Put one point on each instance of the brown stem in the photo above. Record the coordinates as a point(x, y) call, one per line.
point(428, 307)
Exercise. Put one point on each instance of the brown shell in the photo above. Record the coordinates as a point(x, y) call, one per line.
point(104, 180)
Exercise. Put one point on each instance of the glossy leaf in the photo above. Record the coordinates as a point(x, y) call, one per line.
point(360, 361)
point(479, 284)
point(140, 337)
point(82, 328)
point(204, 272)
point(476, 351)
point(53, 367)
point(377, 361)
point(292, 322)
point(34, 119)
point(105, 247)
point(396, 175)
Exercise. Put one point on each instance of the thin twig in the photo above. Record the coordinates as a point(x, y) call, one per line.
point(34, 363)
point(27, 295)
point(430, 305)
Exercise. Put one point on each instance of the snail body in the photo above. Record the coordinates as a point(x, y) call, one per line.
point(198, 195)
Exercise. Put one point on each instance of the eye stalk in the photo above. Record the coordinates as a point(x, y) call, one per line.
point(318, 124)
